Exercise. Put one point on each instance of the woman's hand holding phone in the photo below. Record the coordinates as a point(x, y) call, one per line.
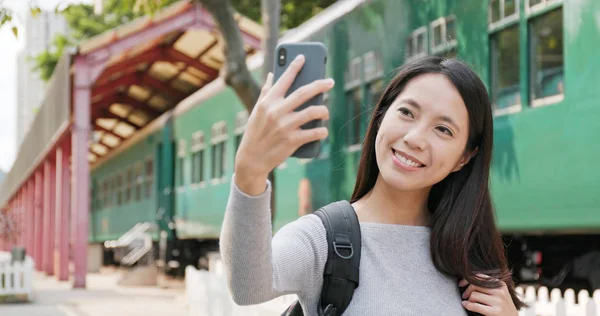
point(273, 130)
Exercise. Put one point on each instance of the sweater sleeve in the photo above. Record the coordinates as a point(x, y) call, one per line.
point(260, 266)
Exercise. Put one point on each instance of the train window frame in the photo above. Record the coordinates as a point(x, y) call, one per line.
point(503, 26)
point(375, 58)
point(181, 155)
point(218, 137)
point(353, 84)
point(537, 11)
point(374, 77)
point(504, 21)
point(106, 184)
point(445, 45)
point(241, 120)
point(542, 7)
point(99, 195)
point(138, 180)
point(128, 185)
point(198, 148)
point(115, 191)
point(120, 193)
point(149, 178)
point(413, 37)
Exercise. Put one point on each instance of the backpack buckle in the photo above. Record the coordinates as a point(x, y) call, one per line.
point(343, 243)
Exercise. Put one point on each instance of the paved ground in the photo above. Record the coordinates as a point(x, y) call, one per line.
point(103, 297)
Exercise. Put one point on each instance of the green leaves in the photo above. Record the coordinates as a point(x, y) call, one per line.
point(293, 12)
point(35, 11)
point(84, 24)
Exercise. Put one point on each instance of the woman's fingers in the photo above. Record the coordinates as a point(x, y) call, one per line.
point(304, 136)
point(287, 78)
point(479, 308)
point(266, 87)
point(315, 112)
point(305, 93)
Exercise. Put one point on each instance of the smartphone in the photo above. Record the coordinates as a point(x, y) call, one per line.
point(315, 60)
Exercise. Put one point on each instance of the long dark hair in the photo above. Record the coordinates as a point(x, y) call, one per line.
point(464, 237)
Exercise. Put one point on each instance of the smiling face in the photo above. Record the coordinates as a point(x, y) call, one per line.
point(423, 134)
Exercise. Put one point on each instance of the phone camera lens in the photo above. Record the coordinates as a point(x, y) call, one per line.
point(282, 57)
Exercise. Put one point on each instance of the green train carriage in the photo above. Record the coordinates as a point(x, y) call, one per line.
point(537, 60)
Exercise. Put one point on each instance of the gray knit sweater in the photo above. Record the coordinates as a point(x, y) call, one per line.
point(397, 275)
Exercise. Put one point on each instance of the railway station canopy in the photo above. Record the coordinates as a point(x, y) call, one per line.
point(137, 72)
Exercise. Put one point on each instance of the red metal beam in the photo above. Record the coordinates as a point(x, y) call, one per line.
point(113, 85)
point(159, 85)
point(104, 113)
point(148, 56)
point(109, 132)
point(177, 56)
point(126, 99)
point(191, 15)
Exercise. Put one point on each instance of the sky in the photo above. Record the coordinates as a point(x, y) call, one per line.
point(9, 47)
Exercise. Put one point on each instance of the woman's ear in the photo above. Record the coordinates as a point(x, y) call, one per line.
point(465, 159)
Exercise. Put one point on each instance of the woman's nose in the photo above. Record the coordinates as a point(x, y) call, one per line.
point(415, 139)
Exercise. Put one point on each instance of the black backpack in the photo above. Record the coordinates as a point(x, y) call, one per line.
point(340, 276)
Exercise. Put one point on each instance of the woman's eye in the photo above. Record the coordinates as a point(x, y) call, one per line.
point(405, 112)
point(445, 130)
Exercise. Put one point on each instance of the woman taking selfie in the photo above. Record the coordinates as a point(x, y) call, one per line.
point(421, 197)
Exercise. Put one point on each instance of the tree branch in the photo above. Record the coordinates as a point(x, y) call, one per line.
point(236, 72)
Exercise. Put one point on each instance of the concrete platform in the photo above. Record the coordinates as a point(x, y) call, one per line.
point(103, 297)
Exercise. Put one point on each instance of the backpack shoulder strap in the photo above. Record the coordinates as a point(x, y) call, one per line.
point(340, 276)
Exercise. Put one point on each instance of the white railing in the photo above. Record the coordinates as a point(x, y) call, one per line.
point(207, 294)
point(554, 303)
point(16, 278)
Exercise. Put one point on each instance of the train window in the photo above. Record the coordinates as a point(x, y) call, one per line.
point(100, 195)
point(106, 193)
point(503, 11)
point(128, 183)
point(218, 141)
point(241, 119)
point(353, 89)
point(198, 157)
point(546, 58)
point(416, 44)
point(443, 35)
point(506, 97)
point(181, 152)
point(353, 103)
point(198, 166)
point(373, 65)
point(149, 179)
point(374, 90)
point(139, 180)
point(119, 189)
point(352, 75)
point(535, 5)
point(115, 190)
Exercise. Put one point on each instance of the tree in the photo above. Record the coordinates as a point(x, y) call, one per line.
point(84, 23)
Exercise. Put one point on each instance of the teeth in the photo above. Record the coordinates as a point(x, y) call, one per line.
point(407, 161)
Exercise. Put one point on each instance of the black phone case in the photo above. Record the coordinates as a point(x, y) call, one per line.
point(315, 54)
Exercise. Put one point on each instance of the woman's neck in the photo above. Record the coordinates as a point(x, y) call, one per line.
point(384, 204)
